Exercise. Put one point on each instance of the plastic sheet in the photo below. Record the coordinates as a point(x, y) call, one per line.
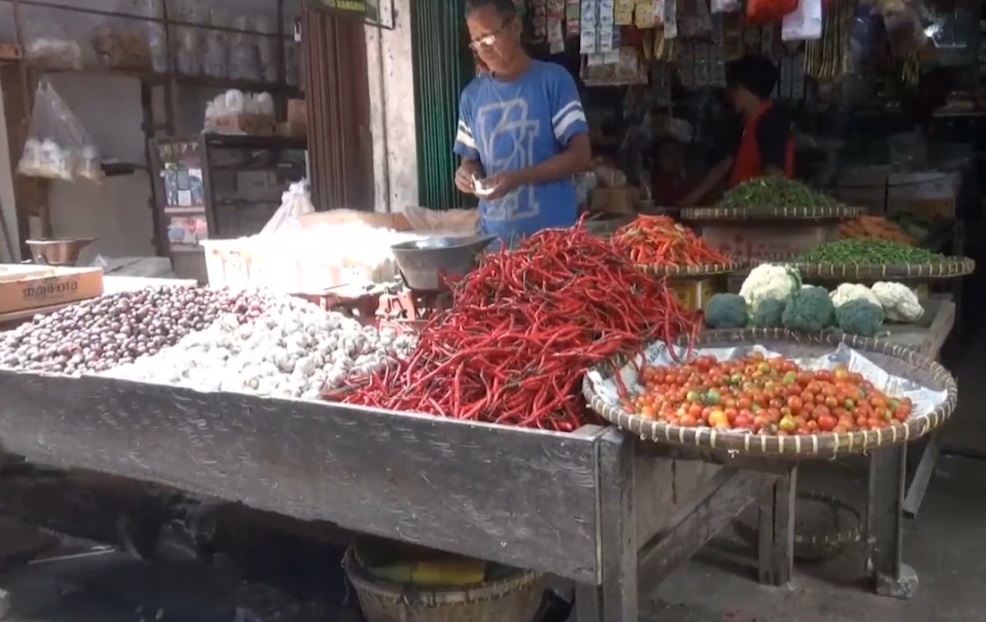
point(58, 146)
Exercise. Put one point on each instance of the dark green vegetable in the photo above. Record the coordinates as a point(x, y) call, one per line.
point(726, 311)
point(869, 251)
point(773, 192)
point(809, 309)
point(768, 314)
point(860, 317)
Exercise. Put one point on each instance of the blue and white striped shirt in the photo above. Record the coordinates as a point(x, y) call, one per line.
point(504, 125)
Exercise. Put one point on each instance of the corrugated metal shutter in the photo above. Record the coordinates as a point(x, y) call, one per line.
point(333, 52)
point(442, 67)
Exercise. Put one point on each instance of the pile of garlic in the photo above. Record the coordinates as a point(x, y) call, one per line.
point(293, 350)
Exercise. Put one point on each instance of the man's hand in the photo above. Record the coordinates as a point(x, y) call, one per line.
point(464, 176)
point(499, 186)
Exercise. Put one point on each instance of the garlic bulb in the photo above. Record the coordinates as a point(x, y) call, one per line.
point(294, 349)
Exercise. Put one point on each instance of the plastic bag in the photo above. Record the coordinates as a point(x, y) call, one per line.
point(58, 146)
point(295, 203)
point(186, 41)
point(805, 23)
point(244, 58)
point(51, 38)
point(726, 6)
point(266, 48)
point(694, 20)
point(763, 12)
point(215, 46)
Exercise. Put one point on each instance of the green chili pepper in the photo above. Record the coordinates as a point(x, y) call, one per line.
point(870, 252)
point(774, 192)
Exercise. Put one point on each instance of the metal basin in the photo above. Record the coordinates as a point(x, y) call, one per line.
point(427, 263)
point(58, 252)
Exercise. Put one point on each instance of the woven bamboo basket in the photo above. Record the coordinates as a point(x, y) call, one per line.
point(834, 212)
point(948, 268)
point(514, 598)
point(688, 272)
point(897, 360)
point(845, 529)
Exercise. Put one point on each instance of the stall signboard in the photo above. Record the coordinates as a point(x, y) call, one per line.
point(366, 9)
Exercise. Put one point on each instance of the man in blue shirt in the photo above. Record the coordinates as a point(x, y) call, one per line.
point(522, 130)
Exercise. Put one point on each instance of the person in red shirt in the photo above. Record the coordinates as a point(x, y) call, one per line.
point(767, 144)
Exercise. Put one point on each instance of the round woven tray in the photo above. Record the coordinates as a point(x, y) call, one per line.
point(845, 527)
point(515, 597)
point(691, 271)
point(950, 267)
point(896, 360)
point(835, 212)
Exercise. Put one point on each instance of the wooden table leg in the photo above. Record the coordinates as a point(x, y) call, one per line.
point(616, 598)
point(775, 549)
point(884, 525)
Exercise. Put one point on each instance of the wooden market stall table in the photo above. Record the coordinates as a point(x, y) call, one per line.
point(611, 513)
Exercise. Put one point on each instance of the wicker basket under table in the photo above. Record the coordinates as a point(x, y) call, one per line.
point(514, 598)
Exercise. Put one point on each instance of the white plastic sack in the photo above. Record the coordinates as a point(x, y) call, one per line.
point(726, 6)
point(448, 222)
point(295, 203)
point(804, 23)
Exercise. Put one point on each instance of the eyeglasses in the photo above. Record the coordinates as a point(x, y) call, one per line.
point(489, 40)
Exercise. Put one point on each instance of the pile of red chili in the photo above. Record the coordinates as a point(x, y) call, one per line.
point(660, 241)
point(523, 329)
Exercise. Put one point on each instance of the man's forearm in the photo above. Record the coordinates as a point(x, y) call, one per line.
point(711, 180)
point(577, 158)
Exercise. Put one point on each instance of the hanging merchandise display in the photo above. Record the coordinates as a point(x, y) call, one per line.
point(58, 146)
point(573, 16)
point(765, 12)
point(556, 26)
point(589, 32)
point(829, 58)
point(804, 23)
point(539, 21)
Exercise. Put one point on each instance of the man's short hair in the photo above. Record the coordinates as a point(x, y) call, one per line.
point(506, 8)
point(753, 72)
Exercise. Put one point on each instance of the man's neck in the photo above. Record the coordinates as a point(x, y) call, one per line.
point(516, 70)
point(752, 110)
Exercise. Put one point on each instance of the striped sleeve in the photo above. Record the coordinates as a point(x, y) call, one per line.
point(568, 117)
point(465, 142)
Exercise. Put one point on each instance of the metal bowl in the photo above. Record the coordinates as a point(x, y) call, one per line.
point(58, 252)
point(427, 263)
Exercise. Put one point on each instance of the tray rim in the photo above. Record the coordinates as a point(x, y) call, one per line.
point(833, 212)
point(814, 446)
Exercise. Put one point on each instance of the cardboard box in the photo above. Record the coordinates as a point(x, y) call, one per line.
point(46, 286)
point(752, 241)
point(614, 200)
point(298, 111)
point(694, 294)
point(930, 194)
point(253, 124)
point(292, 129)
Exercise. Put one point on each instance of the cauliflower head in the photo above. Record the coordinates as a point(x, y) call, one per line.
point(853, 291)
point(809, 309)
point(769, 282)
point(899, 302)
point(860, 317)
point(726, 311)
